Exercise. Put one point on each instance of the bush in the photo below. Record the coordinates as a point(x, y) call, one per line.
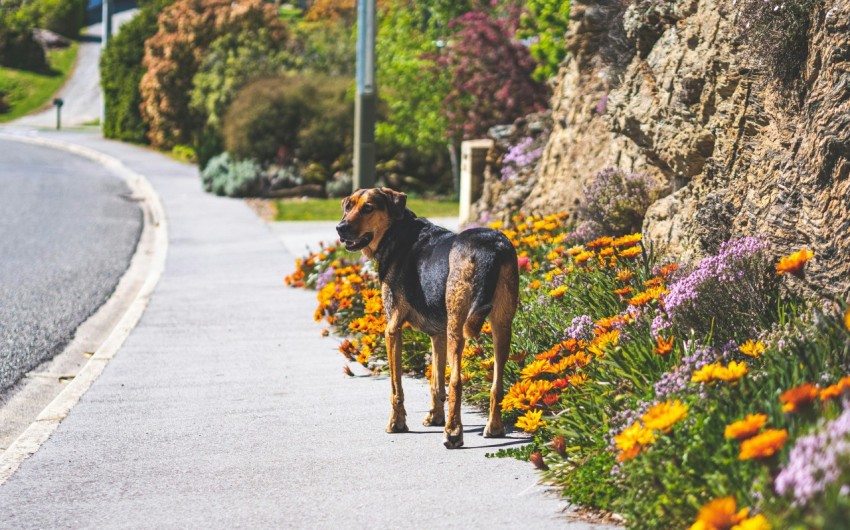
point(65, 17)
point(173, 55)
point(18, 49)
point(121, 72)
point(544, 25)
point(491, 77)
point(225, 176)
point(615, 202)
point(291, 120)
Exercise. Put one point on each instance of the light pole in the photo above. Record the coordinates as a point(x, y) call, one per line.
point(365, 106)
point(106, 35)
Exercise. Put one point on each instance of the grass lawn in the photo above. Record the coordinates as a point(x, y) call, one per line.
point(28, 91)
point(330, 210)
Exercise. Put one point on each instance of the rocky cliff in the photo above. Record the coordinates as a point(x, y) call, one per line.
point(674, 89)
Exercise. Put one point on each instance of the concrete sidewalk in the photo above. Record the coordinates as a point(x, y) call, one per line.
point(226, 408)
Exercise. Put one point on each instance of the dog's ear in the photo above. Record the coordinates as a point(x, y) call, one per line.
point(396, 202)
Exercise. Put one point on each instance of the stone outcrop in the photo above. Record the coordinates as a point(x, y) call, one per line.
point(673, 91)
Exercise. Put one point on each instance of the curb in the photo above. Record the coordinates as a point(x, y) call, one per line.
point(155, 220)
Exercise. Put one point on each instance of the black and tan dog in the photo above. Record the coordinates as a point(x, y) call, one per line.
point(443, 284)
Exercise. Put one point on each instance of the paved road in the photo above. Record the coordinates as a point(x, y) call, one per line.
point(226, 408)
point(67, 233)
point(81, 93)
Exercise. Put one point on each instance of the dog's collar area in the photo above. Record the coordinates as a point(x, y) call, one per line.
point(354, 245)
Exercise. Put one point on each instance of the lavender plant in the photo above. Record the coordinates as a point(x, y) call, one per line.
point(522, 156)
point(616, 201)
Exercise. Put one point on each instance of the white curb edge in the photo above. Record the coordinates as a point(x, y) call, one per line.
point(50, 418)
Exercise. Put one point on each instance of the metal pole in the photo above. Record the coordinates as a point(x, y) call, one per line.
point(365, 106)
point(106, 35)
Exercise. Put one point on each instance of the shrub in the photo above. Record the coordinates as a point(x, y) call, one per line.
point(615, 202)
point(491, 77)
point(544, 25)
point(18, 48)
point(225, 176)
point(173, 55)
point(64, 17)
point(291, 119)
point(121, 72)
point(777, 34)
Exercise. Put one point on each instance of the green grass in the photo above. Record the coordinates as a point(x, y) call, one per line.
point(28, 91)
point(330, 210)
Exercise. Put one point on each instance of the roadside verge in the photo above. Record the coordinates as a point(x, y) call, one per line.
point(114, 321)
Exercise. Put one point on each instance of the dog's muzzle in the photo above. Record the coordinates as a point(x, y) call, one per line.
point(351, 240)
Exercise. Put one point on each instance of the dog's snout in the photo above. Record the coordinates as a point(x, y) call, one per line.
point(344, 229)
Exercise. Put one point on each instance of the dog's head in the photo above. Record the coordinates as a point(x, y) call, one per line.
point(367, 215)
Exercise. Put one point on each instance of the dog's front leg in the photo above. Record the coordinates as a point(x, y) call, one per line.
point(437, 416)
point(398, 421)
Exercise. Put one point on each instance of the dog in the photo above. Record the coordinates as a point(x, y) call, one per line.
point(445, 285)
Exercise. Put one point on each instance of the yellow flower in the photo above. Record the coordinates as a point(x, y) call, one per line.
point(847, 320)
point(578, 249)
point(833, 391)
point(577, 379)
point(624, 275)
point(525, 394)
point(647, 296)
point(757, 522)
point(632, 440)
point(606, 252)
point(531, 421)
point(584, 256)
point(663, 416)
point(732, 372)
point(601, 242)
point(794, 262)
point(745, 428)
point(798, 396)
point(630, 252)
point(763, 445)
point(534, 369)
point(627, 240)
point(752, 348)
point(720, 514)
point(558, 292)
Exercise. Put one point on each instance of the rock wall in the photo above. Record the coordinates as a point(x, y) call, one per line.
point(673, 92)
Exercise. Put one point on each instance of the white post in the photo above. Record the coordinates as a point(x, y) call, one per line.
point(473, 159)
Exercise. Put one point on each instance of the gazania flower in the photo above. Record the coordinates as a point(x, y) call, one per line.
point(573, 251)
point(756, 522)
point(531, 421)
point(601, 242)
point(550, 399)
point(668, 269)
point(720, 514)
point(577, 379)
point(534, 284)
point(558, 292)
point(584, 256)
point(653, 282)
point(624, 275)
point(632, 440)
point(630, 252)
point(797, 397)
point(763, 445)
point(627, 240)
point(752, 348)
point(663, 416)
point(606, 252)
point(664, 346)
point(833, 391)
point(795, 262)
point(525, 394)
point(534, 369)
point(732, 372)
point(745, 428)
point(624, 291)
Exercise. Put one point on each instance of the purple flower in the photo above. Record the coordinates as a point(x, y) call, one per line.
point(678, 379)
point(581, 328)
point(815, 461)
point(519, 157)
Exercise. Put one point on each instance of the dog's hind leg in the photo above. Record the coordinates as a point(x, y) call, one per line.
point(501, 319)
point(458, 301)
point(437, 416)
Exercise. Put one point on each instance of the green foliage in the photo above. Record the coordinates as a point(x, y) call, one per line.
point(290, 119)
point(26, 91)
point(232, 178)
point(121, 72)
point(544, 23)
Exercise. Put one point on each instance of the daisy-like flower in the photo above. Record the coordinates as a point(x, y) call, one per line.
point(632, 440)
point(720, 514)
point(625, 275)
point(576, 250)
point(535, 368)
point(752, 348)
point(531, 421)
point(601, 242)
point(732, 372)
point(799, 396)
point(795, 262)
point(525, 394)
point(663, 416)
point(833, 391)
point(763, 445)
point(664, 346)
point(584, 256)
point(647, 296)
point(746, 428)
point(625, 241)
point(624, 291)
point(630, 252)
point(558, 292)
point(535, 284)
point(756, 522)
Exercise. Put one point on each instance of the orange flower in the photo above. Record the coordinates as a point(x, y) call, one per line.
point(664, 346)
point(578, 249)
point(752, 348)
point(795, 262)
point(833, 391)
point(654, 282)
point(584, 256)
point(601, 242)
point(531, 421)
point(798, 396)
point(720, 514)
point(756, 522)
point(624, 291)
point(632, 440)
point(663, 416)
point(627, 240)
point(745, 428)
point(558, 292)
point(668, 269)
point(763, 445)
point(625, 275)
point(630, 252)
point(847, 320)
point(534, 284)
point(647, 296)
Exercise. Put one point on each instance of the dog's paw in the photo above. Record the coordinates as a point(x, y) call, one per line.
point(453, 439)
point(494, 431)
point(434, 419)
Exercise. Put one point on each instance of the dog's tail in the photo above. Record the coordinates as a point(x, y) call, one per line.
point(483, 289)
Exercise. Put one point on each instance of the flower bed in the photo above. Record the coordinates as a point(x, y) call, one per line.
point(703, 397)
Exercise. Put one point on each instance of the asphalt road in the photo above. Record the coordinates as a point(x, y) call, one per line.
point(68, 230)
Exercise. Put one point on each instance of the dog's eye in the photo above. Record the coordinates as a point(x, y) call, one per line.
point(367, 208)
